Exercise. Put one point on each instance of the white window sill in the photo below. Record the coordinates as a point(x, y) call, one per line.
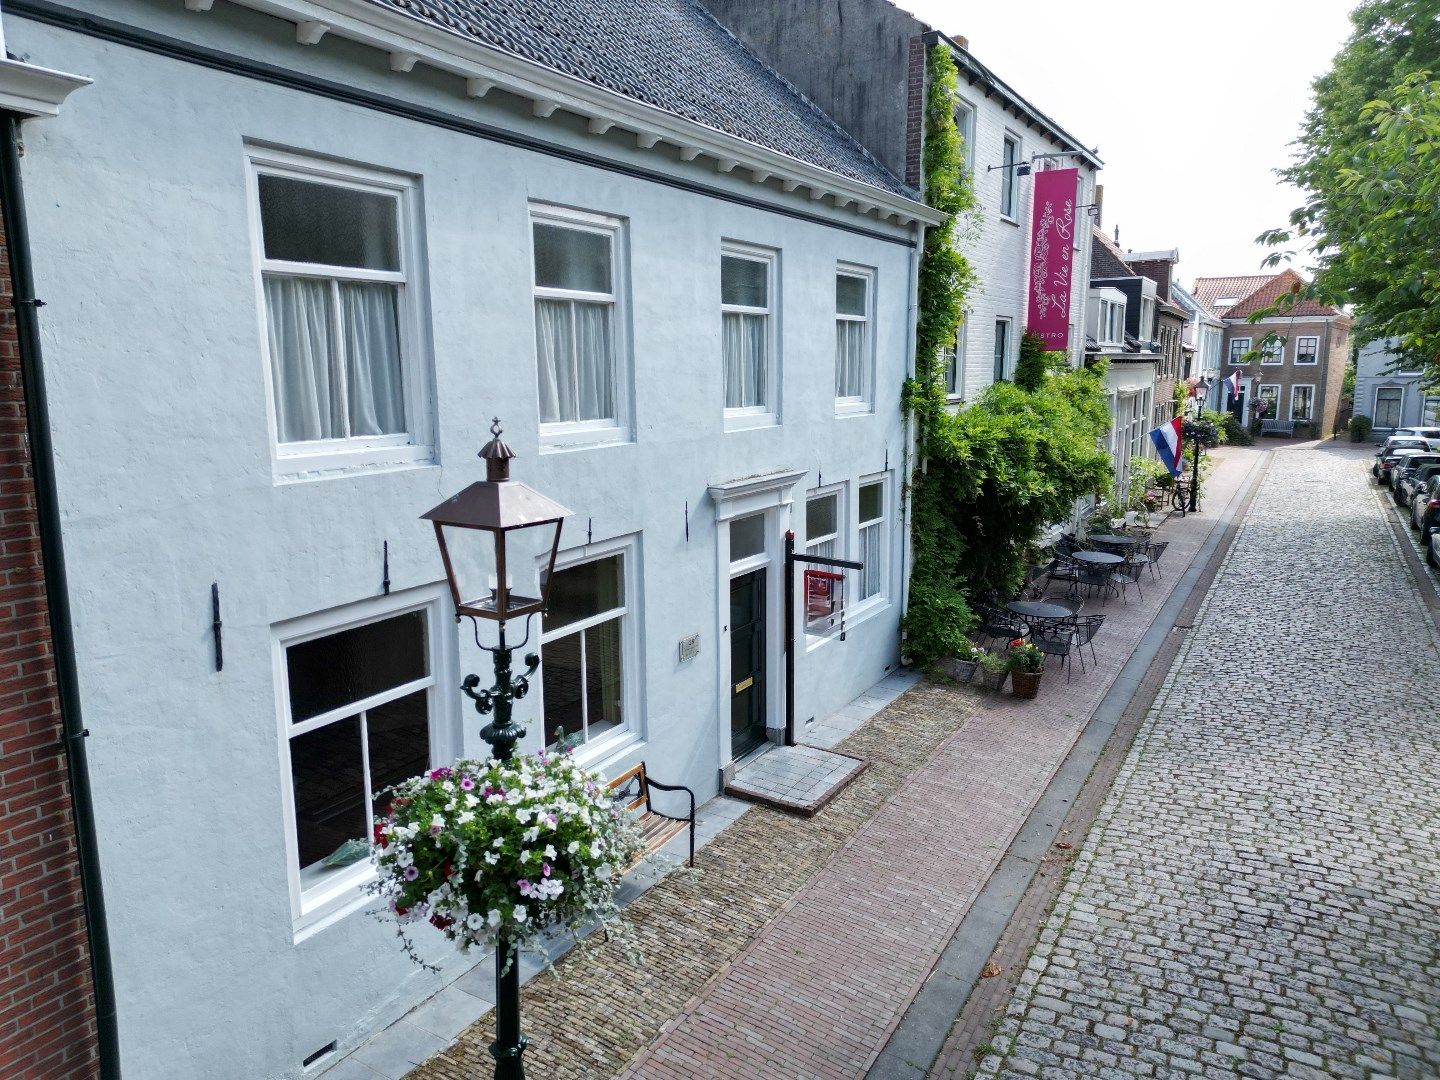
point(853, 408)
point(603, 751)
point(1010, 220)
point(1307, 363)
point(323, 906)
point(561, 438)
point(748, 421)
point(324, 465)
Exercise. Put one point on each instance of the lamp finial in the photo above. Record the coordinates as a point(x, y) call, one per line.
point(496, 455)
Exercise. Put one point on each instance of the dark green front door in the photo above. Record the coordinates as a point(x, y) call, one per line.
point(747, 662)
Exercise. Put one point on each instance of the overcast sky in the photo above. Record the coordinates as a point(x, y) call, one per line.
point(1191, 107)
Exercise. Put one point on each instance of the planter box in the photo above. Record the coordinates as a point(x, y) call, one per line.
point(993, 680)
point(962, 671)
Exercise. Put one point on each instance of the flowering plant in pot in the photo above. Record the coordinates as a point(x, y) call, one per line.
point(490, 848)
point(961, 664)
point(1027, 664)
point(993, 670)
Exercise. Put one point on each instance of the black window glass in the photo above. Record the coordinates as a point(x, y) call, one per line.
point(399, 734)
point(327, 768)
point(334, 671)
point(308, 222)
point(585, 590)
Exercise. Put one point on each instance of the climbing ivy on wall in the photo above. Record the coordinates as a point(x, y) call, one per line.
point(993, 473)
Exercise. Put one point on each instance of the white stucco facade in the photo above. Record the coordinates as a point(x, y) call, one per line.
point(1390, 396)
point(141, 208)
point(998, 245)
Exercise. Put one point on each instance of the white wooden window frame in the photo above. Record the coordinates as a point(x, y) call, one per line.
point(595, 753)
point(568, 434)
point(768, 414)
point(967, 121)
point(314, 908)
point(1399, 405)
point(841, 536)
point(1007, 365)
point(415, 445)
point(1430, 411)
point(1112, 323)
point(1303, 386)
point(1238, 348)
point(1272, 354)
point(1314, 360)
point(955, 369)
point(1009, 180)
point(855, 405)
point(1260, 389)
point(866, 604)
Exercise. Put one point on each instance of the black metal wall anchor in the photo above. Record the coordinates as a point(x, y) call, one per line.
point(215, 625)
point(385, 579)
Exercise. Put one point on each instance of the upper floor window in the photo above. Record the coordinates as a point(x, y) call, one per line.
point(954, 361)
point(577, 324)
point(586, 652)
point(854, 352)
point(1002, 350)
point(1112, 323)
point(822, 525)
point(338, 279)
point(358, 713)
point(1009, 181)
point(965, 125)
point(1272, 352)
point(1307, 350)
point(1147, 319)
point(747, 280)
point(1238, 348)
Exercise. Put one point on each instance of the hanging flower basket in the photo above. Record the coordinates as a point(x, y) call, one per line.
point(488, 848)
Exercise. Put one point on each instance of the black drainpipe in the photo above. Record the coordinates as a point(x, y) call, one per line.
point(42, 463)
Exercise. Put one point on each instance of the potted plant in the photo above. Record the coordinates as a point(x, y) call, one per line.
point(993, 670)
point(961, 665)
point(1027, 664)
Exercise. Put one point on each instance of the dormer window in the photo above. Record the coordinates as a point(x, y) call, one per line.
point(1111, 323)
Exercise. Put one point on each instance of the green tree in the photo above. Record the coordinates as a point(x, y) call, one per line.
point(1368, 162)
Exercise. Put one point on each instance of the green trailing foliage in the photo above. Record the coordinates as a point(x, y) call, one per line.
point(995, 472)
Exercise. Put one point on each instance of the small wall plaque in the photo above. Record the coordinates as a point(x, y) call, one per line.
point(689, 648)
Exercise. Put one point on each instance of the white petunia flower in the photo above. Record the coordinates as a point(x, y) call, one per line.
point(520, 914)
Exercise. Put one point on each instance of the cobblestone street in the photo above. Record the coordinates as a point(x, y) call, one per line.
point(1259, 895)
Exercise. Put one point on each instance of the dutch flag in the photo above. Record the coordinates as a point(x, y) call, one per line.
point(1167, 442)
point(1234, 383)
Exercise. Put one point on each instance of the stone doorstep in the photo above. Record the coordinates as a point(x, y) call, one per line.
point(394, 1050)
point(796, 779)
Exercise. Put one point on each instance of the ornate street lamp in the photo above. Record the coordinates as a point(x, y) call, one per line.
point(500, 506)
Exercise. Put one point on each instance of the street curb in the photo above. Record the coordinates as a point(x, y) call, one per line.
point(926, 1024)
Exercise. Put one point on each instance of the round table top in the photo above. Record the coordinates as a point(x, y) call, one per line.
point(1112, 538)
point(1099, 558)
point(1038, 609)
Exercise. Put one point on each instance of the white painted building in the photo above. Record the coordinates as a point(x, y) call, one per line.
point(295, 255)
point(1007, 141)
point(1205, 334)
point(1391, 392)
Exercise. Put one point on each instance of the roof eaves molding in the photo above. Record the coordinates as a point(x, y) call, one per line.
point(33, 91)
point(486, 68)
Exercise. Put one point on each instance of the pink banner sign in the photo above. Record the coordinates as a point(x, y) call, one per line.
point(1052, 240)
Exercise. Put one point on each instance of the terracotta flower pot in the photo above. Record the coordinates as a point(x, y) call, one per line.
point(1025, 684)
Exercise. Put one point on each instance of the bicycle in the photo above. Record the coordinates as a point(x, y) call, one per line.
point(1180, 495)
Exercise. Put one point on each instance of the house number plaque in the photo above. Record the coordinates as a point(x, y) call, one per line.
point(689, 648)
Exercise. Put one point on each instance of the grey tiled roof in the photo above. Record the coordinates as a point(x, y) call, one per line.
point(671, 54)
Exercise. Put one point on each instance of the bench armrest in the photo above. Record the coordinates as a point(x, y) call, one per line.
point(673, 787)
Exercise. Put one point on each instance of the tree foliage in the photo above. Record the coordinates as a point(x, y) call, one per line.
point(1368, 162)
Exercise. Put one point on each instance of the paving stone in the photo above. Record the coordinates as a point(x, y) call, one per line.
point(1269, 842)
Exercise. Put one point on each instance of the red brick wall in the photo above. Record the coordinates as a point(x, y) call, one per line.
point(47, 1029)
point(914, 111)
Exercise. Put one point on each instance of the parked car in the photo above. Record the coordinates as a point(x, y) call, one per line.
point(1425, 508)
point(1419, 432)
point(1409, 474)
point(1388, 462)
point(1431, 555)
point(1398, 442)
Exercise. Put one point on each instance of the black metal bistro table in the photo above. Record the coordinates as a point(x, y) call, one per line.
point(1038, 609)
point(1114, 540)
point(1097, 558)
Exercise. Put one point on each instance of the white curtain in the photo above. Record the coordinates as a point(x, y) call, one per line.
point(871, 537)
point(576, 360)
point(372, 354)
point(303, 365)
point(849, 359)
point(746, 360)
point(311, 371)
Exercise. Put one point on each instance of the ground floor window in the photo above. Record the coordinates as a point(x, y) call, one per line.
point(1432, 411)
point(1387, 406)
point(1267, 401)
point(872, 538)
point(1302, 402)
point(358, 712)
point(822, 525)
point(584, 652)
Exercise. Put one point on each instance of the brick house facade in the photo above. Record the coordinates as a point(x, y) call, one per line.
point(47, 1025)
point(1302, 372)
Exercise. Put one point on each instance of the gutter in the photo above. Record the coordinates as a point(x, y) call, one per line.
point(57, 597)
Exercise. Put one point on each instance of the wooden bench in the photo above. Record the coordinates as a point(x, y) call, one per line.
point(656, 829)
point(1277, 427)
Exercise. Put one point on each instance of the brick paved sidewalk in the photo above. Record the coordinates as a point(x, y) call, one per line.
point(800, 943)
point(1259, 894)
